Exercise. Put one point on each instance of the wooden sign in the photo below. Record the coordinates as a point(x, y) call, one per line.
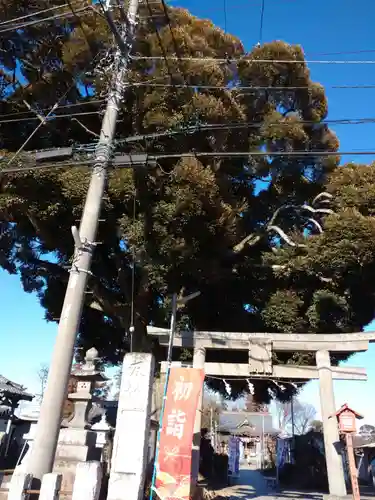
point(346, 418)
point(347, 421)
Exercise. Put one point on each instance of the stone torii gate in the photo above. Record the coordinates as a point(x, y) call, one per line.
point(260, 347)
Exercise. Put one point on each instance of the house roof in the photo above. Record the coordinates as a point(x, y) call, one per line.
point(12, 390)
point(5, 411)
point(364, 441)
point(251, 423)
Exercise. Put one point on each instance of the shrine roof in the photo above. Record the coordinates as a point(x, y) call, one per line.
point(253, 423)
point(12, 390)
point(346, 408)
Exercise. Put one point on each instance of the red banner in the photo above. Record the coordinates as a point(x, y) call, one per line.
point(176, 438)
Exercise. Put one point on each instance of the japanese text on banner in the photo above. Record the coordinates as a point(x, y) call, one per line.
point(174, 458)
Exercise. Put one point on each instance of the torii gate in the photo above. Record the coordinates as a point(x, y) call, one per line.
point(260, 347)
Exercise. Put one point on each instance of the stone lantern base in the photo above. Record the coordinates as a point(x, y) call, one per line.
point(74, 446)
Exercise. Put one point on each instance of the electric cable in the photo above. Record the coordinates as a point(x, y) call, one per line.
point(158, 156)
point(84, 103)
point(239, 125)
point(50, 166)
point(225, 15)
point(202, 127)
point(175, 45)
point(245, 154)
point(162, 48)
point(248, 87)
point(86, 37)
point(44, 20)
point(53, 117)
point(33, 14)
point(44, 118)
point(261, 21)
point(248, 60)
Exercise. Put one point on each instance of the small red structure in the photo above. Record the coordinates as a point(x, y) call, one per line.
point(346, 418)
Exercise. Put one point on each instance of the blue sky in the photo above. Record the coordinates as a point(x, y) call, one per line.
point(320, 27)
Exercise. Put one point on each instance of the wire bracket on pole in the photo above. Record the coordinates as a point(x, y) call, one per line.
point(75, 269)
point(82, 245)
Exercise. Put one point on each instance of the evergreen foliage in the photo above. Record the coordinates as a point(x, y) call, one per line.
point(200, 223)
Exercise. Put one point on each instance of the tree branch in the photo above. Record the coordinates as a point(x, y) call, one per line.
point(254, 238)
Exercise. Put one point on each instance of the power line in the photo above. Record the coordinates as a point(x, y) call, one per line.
point(33, 14)
point(247, 87)
point(225, 15)
point(235, 126)
point(204, 127)
point(44, 20)
point(149, 158)
point(176, 48)
point(128, 162)
point(44, 118)
point(85, 36)
point(342, 52)
point(245, 154)
point(261, 21)
point(50, 118)
point(84, 103)
point(237, 60)
point(88, 148)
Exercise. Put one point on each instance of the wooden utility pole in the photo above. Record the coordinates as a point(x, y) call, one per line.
point(347, 424)
point(48, 428)
point(352, 466)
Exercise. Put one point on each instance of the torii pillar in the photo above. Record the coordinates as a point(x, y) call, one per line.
point(335, 470)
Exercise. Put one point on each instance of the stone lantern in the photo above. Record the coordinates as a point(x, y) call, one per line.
point(77, 442)
point(87, 377)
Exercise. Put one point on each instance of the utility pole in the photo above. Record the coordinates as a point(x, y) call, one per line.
point(262, 462)
point(172, 333)
point(47, 432)
point(293, 429)
point(292, 415)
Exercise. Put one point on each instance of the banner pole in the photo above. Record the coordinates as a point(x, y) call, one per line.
point(169, 363)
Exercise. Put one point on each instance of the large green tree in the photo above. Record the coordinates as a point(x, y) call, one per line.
point(243, 230)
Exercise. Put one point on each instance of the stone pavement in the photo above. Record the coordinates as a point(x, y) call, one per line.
point(252, 485)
